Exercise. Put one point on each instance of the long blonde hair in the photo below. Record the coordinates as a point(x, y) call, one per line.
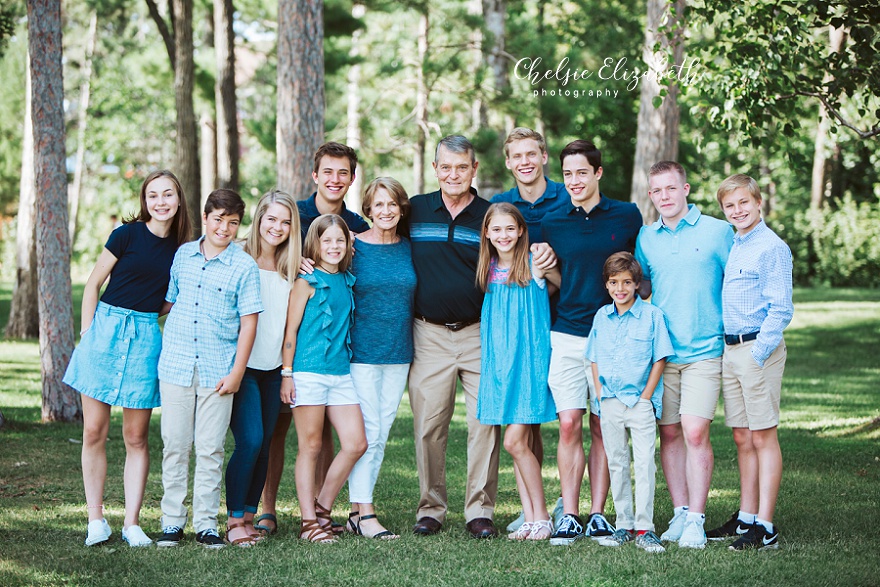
point(520, 272)
point(288, 253)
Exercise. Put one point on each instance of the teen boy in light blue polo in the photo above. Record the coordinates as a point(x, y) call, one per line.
point(683, 255)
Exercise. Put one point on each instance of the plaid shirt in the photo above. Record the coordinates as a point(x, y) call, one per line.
point(209, 298)
point(756, 296)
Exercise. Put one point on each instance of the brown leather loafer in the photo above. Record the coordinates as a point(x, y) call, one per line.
point(426, 526)
point(482, 528)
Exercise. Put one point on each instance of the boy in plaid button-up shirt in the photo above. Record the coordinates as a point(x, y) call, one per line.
point(214, 300)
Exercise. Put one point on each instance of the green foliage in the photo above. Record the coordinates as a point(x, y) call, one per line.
point(13, 65)
point(837, 247)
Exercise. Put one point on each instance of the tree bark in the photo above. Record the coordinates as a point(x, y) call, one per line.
point(60, 402)
point(224, 92)
point(167, 35)
point(421, 105)
point(817, 187)
point(82, 123)
point(300, 129)
point(353, 126)
point(658, 128)
point(187, 156)
point(208, 158)
point(24, 318)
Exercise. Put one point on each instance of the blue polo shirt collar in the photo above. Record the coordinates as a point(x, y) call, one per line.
point(549, 194)
point(635, 309)
point(692, 216)
point(604, 204)
point(225, 257)
point(438, 204)
point(311, 206)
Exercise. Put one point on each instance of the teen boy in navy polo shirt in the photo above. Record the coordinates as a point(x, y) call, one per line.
point(585, 232)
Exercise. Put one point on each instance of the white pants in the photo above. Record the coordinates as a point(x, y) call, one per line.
point(379, 389)
point(193, 415)
point(618, 423)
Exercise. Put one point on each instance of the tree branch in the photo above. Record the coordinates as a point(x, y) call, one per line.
point(864, 134)
point(167, 36)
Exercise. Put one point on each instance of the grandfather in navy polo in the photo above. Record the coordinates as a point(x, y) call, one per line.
point(445, 230)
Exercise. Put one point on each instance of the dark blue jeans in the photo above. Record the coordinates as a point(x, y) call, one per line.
point(254, 412)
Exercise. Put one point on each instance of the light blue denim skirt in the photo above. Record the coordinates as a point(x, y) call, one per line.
point(117, 358)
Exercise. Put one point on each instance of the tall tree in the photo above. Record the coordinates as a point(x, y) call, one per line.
point(187, 155)
point(658, 130)
point(82, 123)
point(422, 95)
point(300, 126)
point(24, 319)
point(224, 93)
point(60, 402)
point(353, 118)
point(817, 188)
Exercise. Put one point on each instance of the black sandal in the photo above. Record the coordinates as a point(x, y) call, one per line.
point(352, 526)
point(262, 528)
point(383, 535)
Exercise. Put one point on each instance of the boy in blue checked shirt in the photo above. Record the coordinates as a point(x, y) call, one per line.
point(214, 299)
point(628, 346)
point(756, 301)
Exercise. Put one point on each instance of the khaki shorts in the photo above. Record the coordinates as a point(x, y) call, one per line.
point(751, 393)
point(571, 378)
point(691, 389)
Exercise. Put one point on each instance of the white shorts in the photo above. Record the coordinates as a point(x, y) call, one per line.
point(571, 377)
point(316, 389)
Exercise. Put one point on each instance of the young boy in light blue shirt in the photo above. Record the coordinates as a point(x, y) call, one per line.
point(628, 346)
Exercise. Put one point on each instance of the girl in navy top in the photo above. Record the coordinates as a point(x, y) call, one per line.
point(116, 361)
point(515, 341)
point(316, 376)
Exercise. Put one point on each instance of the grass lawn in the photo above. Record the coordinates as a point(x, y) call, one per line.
point(828, 513)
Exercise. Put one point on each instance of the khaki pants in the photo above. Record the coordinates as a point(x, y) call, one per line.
point(442, 357)
point(193, 415)
point(619, 423)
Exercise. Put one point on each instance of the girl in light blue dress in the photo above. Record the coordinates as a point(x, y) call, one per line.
point(515, 335)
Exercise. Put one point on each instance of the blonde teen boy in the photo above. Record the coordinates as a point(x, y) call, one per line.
point(757, 304)
point(628, 346)
point(214, 300)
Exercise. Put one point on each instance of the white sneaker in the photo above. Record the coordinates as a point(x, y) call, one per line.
point(514, 525)
point(649, 542)
point(558, 512)
point(98, 533)
point(676, 526)
point(135, 537)
point(693, 536)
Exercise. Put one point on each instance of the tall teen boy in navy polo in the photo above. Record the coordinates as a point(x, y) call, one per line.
point(583, 234)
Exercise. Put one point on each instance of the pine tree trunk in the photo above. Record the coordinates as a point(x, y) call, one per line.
point(60, 403)
point(224, 92)
point(300, 129)
point(421, 107)
point(24, 317)
point(82, 122)
point(657, 135)
point(208, 156)
point(187, 155)
point(817, 187)
point(353, 126)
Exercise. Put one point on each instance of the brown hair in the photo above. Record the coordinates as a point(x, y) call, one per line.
point(338, 151)
point(312, 246)
point(228, 201)
point(522, 133)
point(585, 148)
point(520, 272)
point(288, 253)
point(181, 229)
point(622, 262)
point(665, 166)
point(394, 189)
point(735, 182)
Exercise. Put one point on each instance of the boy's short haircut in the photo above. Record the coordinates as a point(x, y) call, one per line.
point(226, 200)
point(622, 262)
point(337, 151)
point(522, 133)
point(666, 166)
point(735, 182)
point(585, 148)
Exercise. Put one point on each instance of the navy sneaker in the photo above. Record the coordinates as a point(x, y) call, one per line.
point(732, 528)
point(570, 528)
point(171, 536)
point(210, 539)
point(757, 538)
point(598, 527)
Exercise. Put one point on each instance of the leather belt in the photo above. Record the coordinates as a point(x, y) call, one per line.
point(453, 326)
point(732, 339)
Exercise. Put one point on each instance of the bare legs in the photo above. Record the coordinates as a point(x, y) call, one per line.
point(688, 461)
point(597, 467)
point(135, 432)
point(529, 480)
point(760, 470)
point(571, 459)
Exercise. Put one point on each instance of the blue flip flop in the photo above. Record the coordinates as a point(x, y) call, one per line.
point(265, 530)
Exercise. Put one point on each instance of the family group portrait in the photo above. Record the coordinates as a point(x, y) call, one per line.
point(461, 292)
